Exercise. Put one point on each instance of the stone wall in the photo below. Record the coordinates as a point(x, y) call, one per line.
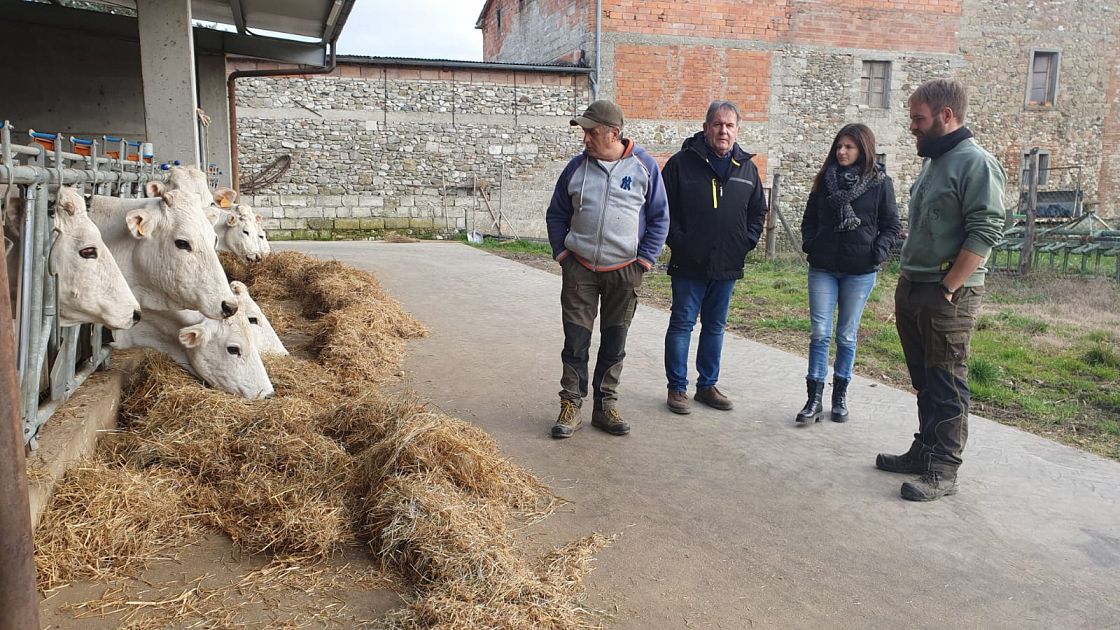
point(415, 150)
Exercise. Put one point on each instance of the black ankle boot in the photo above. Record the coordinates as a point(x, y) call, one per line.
point(840, 399)
point(813, 408)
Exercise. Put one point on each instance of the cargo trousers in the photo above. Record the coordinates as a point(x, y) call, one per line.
point(613, 296)
point(935, 335)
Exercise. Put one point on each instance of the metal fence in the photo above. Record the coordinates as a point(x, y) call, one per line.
point(1050, 229)
point(53, 360)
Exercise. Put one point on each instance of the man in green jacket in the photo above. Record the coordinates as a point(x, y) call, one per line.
point(956, 216)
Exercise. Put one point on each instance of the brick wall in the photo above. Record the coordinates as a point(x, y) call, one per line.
point(546, 31)
point(403, 148)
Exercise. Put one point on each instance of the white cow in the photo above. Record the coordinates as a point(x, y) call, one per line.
point(267, 340)
point(91, 288)
point(222, 353)
point(238, 227)
point(165, 247)
point(239, 233)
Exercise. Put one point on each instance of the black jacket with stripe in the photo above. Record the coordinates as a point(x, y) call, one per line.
point(713, 222)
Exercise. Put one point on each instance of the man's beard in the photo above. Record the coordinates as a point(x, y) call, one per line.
point(935, 131)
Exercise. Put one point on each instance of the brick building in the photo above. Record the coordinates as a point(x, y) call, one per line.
point(1042, 73)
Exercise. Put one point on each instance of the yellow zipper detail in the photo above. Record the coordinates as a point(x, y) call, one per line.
point(715, 199)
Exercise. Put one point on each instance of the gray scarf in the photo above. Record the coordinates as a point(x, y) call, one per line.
point(844, 186)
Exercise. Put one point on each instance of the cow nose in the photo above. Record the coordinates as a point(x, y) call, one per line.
point(229, 309)
point(136, 316)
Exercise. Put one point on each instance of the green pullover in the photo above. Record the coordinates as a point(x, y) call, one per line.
point(955, 203)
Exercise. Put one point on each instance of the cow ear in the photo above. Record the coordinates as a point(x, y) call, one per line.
point(225, 197)
point(213, 215)
point(140, 222)
point(238, 288)
point(155, 189)
point(231, 220)
point(193, 336)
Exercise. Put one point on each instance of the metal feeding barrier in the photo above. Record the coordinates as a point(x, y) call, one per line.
point(52, 360)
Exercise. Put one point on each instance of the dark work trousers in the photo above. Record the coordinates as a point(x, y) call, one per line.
point(580, 298)
point(935, 336)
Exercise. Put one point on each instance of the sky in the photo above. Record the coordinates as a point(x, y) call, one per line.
point(426, 29)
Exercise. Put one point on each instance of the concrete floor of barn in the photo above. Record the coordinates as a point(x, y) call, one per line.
point(742, 519)
point(734, 519)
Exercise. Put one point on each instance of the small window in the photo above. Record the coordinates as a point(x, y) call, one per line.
point(874, 84)
point(1042, 87)
point(881, 158)
point(1043, 167)
point(499, 14)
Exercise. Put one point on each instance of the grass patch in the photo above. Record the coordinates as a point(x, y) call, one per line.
point(982, 372)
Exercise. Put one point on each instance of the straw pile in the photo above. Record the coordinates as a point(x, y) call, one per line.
point(327, 462)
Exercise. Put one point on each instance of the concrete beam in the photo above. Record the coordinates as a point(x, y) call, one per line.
point(213, 100)
point(168, 67)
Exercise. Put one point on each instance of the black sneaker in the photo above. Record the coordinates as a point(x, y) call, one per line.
point(568, 422)
point(610, 421)
point(931, 486)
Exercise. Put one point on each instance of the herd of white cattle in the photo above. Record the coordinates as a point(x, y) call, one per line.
point(149, 270)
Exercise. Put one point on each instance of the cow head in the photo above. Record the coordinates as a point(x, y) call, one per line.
point(91, 288)
point(223, 354)
point(240, 233)
point(176, 256)
point(254, 219)
point(265, 337)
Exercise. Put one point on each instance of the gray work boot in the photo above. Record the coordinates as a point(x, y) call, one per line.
point(712, 397)
point(931, 486)
point(569, 420)
point(678, 402)
point(610, 421)
point(909, 463)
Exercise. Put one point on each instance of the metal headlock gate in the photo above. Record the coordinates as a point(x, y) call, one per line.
point(52, 360)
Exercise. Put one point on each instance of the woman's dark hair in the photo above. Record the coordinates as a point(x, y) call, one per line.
point(865, 141)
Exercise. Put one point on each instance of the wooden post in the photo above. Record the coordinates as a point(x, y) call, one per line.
point(1027, 253)
point(19, 601)
point(772, 217)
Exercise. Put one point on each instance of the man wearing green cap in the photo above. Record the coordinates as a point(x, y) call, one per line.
point(607, 223)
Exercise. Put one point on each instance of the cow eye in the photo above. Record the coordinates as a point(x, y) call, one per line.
point(252, 320)
point(234, 350)
point(260, 236)
point(245, 232)
point(183, 245)
point(88, 252)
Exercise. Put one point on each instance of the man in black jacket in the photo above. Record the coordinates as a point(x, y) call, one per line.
point(716, 211)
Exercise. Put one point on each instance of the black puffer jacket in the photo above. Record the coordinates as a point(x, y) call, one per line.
point(713, 222)
point(856, 251)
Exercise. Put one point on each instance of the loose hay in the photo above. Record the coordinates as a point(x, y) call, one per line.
point(108, 521)
point(327, 461)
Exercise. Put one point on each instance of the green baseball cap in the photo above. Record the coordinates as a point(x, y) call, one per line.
point(602, 112)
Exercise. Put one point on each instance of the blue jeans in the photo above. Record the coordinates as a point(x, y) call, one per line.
point(709, 299)
point(827, 290)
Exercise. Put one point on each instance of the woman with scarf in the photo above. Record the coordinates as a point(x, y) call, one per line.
point(850, 224)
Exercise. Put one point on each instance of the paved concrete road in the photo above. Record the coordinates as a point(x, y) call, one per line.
point(742, 519)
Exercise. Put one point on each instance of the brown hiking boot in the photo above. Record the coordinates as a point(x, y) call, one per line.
point(610, 421)
point(569, 421)
point(931, 486)
point(712, 397)
point(678, 402)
